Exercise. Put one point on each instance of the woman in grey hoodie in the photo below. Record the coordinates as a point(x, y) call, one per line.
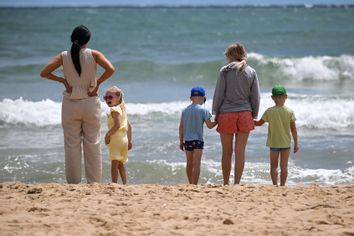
point(235, 105)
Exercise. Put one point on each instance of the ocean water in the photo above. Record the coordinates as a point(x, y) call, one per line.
point(160, 53)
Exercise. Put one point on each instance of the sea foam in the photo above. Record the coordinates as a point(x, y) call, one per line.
point(314, 112)
point(318, 68)
point(258, 173)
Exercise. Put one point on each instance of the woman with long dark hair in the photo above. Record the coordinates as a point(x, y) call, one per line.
point(235, 105)
point(81, 109)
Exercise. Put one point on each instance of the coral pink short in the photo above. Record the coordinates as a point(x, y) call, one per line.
point(234, 122)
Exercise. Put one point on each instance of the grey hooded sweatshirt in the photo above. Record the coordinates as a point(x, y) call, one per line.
point(237, 90)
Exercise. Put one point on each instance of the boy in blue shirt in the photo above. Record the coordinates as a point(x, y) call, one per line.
point(191, 132)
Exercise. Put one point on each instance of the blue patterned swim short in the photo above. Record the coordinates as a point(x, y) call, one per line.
point(194, 144)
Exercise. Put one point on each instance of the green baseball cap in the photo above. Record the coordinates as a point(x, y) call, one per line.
point(278, 90)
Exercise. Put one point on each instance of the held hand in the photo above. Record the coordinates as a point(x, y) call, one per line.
point(130, 145)
point(258, 122)
point(107, 139)
point(296, 148)
point(181, 146)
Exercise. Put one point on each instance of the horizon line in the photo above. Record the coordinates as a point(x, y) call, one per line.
point(351, 5)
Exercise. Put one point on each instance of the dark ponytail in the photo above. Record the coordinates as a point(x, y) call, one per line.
point(79, 37)
point(75, 56)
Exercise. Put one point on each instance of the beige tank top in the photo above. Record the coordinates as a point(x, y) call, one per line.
point(87, 81)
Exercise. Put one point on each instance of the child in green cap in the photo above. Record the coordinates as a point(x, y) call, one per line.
point(281, 120)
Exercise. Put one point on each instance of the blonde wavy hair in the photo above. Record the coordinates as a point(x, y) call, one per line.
point(118, 92)
point(236, 53)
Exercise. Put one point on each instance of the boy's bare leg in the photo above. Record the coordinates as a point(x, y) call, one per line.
point(226, 142)
point(114, 171)
point(189, 167)
point(197, 156)
point(274, 156)
point(284, 158)
point(240, 147)
point(122, 172)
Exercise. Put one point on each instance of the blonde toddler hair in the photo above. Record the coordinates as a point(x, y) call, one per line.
point(118, 92)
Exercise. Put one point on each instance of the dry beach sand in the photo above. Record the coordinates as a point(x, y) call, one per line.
point(110, 209)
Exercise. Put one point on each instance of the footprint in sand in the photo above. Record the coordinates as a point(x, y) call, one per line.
point(97, 221)
point(228, 222)
point(34, 191)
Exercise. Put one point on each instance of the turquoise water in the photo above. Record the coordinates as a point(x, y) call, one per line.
point(160, 54)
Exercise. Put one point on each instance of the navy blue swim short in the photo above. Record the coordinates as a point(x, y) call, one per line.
point(279, 149)
point(194, 144)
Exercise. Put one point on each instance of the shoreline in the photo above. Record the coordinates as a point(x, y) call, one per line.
point(111, 209)
point(183, 6)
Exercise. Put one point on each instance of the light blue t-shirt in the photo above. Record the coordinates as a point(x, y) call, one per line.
point(193, 118)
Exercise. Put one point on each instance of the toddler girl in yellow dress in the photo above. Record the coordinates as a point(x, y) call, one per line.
point(118, 136)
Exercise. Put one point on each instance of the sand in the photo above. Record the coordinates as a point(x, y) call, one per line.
point(110, 209)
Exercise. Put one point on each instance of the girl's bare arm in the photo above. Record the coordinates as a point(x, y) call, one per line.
point(129, 134)
point(115, 127)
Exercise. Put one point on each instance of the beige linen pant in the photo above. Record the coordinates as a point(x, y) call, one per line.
point(81, 125)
